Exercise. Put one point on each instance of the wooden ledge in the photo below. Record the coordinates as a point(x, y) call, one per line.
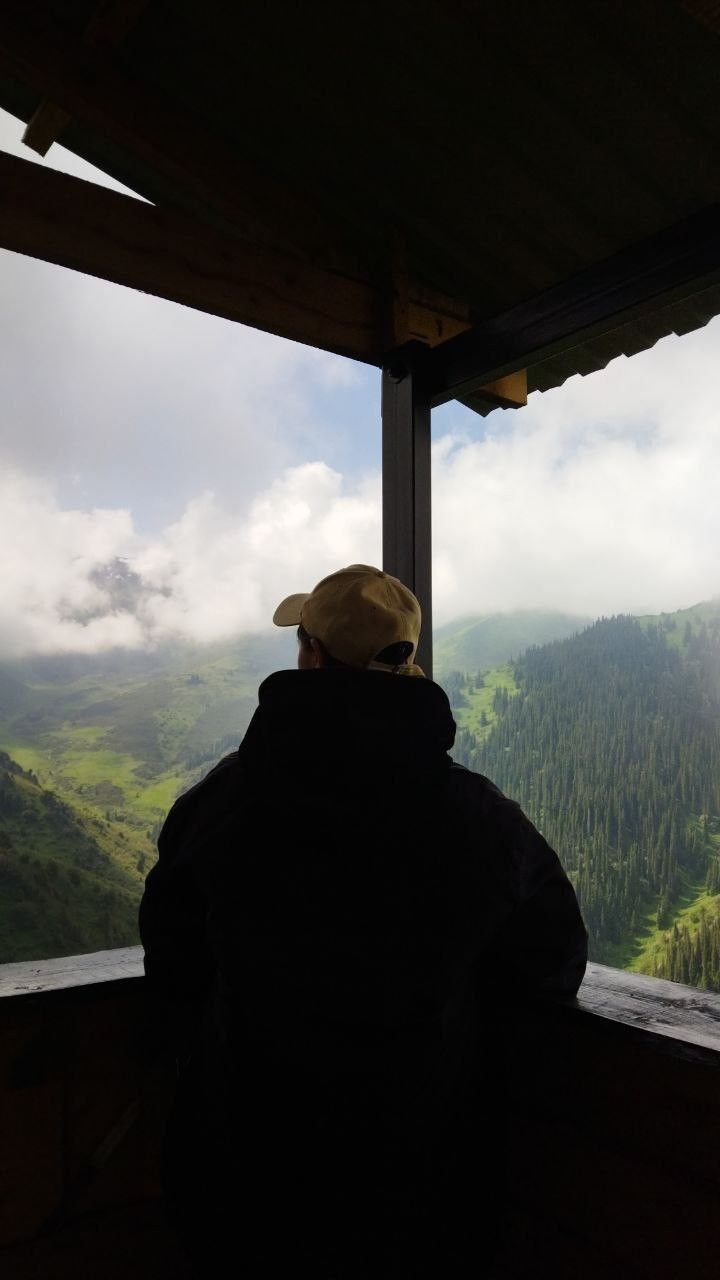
point(683, 1020)
point(35, 977)
point(686, 1019)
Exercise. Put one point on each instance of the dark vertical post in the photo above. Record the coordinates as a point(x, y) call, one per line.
point(407, 526)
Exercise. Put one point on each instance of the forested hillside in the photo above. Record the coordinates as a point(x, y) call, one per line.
point(610, 739)
point(66, 881)
point(488, 640)
point(611, 743)
point(96, 748)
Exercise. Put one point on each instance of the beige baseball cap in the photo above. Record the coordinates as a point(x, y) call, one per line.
point(355, 613)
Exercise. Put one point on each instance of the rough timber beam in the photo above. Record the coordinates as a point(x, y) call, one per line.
point(45, 126)
point(76, 224)
point(509, 392)
point(195, 170)
point(107, 27)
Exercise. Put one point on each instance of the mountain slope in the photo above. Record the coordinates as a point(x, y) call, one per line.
point(681, 626)
point(609, 738)
point(124, 734)
point(478, 643)
point(612, 746)
point(66, 884)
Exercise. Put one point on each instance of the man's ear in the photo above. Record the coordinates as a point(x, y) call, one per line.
point(319, 659)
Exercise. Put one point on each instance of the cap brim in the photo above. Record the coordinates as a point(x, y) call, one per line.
point(288, 611)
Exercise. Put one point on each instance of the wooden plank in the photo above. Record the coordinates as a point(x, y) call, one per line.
point(660, 1216)
point(33, 977)
point(45, 126)
point(88, 228)
point(398, 326)
point(108, 26)
point(668, 267)
point(31, 1172)
point(203, 172)
point(185, 167)
point(509, 392)
point(667, 1009)
point(588, 1197)
point(705, 11)
point(77, 224)
point(111, 22)
point(504, 393)
point(683, 1016)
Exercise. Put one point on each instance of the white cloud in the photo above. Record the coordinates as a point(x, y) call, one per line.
point(567, 504)
point(48, 556)
point(599, 497)
point(210, 575)
point(111, 393)
point(58, 157)
point(215, 574)
point(115, 395)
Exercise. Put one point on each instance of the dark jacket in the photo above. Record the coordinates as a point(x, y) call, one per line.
point(336, 913)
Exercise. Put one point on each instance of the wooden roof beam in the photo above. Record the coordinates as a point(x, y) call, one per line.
point(665, 268)
point(509, 392)
point(107, 28)
point(186, 167)
point(77, 224)
point(45, 126)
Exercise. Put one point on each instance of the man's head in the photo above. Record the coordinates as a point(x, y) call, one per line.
point(357, 617)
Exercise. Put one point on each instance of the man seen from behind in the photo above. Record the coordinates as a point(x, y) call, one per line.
point(337, 912)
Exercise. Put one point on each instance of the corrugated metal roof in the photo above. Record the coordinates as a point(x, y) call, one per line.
point(628, 340)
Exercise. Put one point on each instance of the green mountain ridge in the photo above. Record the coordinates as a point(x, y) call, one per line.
point(478, 642)
point(610, 741)
point(99, 747)
point(114, 739)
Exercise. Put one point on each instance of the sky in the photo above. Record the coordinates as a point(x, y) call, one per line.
point(215, 469)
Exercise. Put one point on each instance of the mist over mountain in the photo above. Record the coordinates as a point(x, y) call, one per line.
point(474, 642)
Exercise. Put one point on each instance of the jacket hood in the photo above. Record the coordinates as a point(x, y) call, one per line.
point(355, 717)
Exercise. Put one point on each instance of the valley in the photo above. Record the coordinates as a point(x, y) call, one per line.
point(608, 734)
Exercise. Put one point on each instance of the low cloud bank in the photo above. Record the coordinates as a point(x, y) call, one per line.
point(554, 508)
point(83, 581)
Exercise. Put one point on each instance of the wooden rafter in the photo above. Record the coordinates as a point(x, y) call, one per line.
point(197, 171)
point(509, 392)
point(80, 225)
point(673, 265)
point(107, 28)
point(45, 126)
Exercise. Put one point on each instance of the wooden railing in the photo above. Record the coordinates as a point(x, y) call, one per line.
point(615, 1132)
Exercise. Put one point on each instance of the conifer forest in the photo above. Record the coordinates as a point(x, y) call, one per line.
point(610, 741)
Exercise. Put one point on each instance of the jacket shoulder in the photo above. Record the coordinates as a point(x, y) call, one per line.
point(209, 792)
point(483, 808)
point(476, 789)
